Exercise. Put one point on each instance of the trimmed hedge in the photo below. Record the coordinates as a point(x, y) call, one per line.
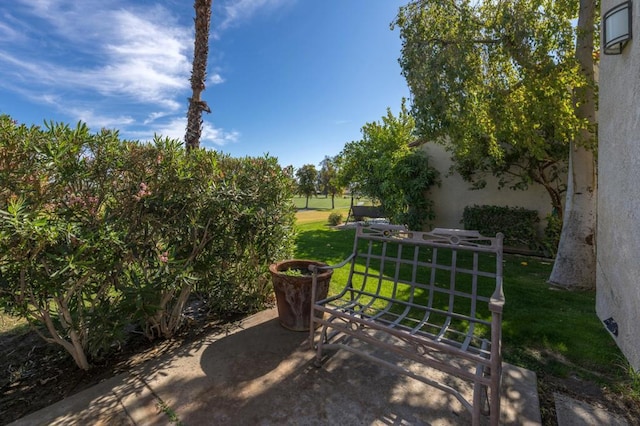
point(518, 224)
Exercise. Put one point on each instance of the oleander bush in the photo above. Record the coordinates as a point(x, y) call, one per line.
point(97, 233)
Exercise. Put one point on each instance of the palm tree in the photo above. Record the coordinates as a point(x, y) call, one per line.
point(198, 74)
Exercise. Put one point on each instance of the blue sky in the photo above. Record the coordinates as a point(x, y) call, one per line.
point(293, 78)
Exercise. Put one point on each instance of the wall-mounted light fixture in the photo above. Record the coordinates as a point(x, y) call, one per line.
point(617, 28)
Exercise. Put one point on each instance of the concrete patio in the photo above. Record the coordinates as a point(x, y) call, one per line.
point(262, 374)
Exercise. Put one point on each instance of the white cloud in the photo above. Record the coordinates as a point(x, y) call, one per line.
point(7, 33)
point(215, 79)
point(97, 121)
point(220, 137)
point(154, 116)
point(211, 136)
point(235, 12)
point(139, 55)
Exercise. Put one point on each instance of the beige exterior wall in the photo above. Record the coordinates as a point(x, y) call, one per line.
point(618, 238)
point(454, 193)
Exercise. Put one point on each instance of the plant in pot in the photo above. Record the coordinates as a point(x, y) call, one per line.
point(292, 285)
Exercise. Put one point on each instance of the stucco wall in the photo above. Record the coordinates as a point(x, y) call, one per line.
point(618, 238)
point(454, 194)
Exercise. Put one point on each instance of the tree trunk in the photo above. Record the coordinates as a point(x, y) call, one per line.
point(556, 200)
point(554, 194)
point(575, 265)
point(198, 74)
point(306, 206)
point(333, 201)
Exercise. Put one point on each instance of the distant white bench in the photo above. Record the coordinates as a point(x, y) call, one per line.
point(434, 298)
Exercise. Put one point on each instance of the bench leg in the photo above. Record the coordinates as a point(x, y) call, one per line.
point(318, 347)
point(494, 401)
point(312, 331)
point(317, 362)
point(477, 412)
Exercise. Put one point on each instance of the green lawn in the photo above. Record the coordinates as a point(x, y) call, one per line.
point(553, 332)
point(324, 203)
point(320, 208)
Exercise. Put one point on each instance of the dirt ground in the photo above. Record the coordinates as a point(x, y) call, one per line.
point(36, 374)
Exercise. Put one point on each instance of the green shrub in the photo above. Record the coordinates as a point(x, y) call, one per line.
point(335, 219)
point(518, 225)
point(552, 235)
point(413, 176)
point(96, 233)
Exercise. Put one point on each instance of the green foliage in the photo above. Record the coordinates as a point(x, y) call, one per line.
point(516, 223)
point(414, 176)
point(552, 234)
point(296, 272)
point(307, 176)
point(383, 167)
point(96, 233)
point(365, 165)
point(335, 219)
point(633, 378)
point(495, 83)
point(328, 178)
point(328, 182)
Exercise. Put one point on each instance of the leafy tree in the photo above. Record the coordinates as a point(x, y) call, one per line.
point(366, 165)
point(307, 176)
point(377, 165)
point(328, 181)
point(498, 83)
point(198, 74)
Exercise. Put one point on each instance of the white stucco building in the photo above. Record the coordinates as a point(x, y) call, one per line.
point(455, 194)
point(618, 235)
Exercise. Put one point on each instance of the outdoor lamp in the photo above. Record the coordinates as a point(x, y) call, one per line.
point(617, 28)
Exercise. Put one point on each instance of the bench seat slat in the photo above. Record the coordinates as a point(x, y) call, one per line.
point(448, 346)
point(421, 330)
point(348, 304)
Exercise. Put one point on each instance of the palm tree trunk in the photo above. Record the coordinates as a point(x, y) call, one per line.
point(198, 74)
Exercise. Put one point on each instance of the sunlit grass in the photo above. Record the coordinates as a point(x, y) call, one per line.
point(9, 323)
point(309, 216)
point(320, 207)
point(323, 203)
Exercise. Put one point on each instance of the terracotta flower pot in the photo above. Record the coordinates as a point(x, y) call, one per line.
point(292, 285)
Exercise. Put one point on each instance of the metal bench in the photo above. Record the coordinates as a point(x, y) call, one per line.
point(358, 213)
point(434, 298)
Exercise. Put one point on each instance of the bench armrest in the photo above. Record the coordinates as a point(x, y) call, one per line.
point(316, 268)
point(496, 302)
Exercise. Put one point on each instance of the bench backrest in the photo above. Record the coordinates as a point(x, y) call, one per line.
point(452, 272)
point(359, 212)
